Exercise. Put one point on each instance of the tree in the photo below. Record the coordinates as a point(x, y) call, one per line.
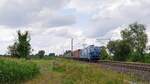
point(112, 45)
point(41, 54)
point(135, 35)
point(12, 50)
point(22, 47)
point(67, 53)
point(104, 54)
point(120, 49)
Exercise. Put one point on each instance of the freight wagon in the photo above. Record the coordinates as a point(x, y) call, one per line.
point(76, 54)
point(90, 53)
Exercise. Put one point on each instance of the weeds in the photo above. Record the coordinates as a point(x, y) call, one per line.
point(15, 71)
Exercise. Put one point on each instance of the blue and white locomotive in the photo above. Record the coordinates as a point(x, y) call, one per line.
point(90, 53)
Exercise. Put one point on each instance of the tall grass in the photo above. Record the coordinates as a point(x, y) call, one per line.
point(62, 71)
point(80, 73)
point(14, 71)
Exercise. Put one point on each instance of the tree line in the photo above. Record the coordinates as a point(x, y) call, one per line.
point(131, 47)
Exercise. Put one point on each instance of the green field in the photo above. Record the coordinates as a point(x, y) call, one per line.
point(63, 71)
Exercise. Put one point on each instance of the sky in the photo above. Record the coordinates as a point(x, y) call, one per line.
point(52, 23)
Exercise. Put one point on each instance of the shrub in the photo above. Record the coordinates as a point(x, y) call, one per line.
point(120, 49)
point(136, 57)
point(13, 72)
point(104, 54)
point(147, 58)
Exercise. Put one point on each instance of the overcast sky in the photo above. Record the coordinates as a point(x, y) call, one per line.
point(52, 23)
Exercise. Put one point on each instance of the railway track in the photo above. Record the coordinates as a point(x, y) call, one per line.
point(140, 70)
point(136, 66)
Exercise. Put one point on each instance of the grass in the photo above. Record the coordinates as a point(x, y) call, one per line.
point(57, 71)
point(14, 71)
point(63, 71)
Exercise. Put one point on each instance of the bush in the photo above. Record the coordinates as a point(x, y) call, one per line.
point(104, 54)
point(13, 72)
point(147, 58)
point(136, 57)
point(122, 51)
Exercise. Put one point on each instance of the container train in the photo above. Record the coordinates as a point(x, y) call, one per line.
point(89, 53)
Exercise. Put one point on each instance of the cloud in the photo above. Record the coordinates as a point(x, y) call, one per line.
point(53, 22)
point(54, 39)
point(84, 6)
point(54, 19)
point(20, 13)
point(111, 14)
point(6, 38)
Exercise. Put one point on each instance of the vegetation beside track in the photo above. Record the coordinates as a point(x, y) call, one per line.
point(63, 71)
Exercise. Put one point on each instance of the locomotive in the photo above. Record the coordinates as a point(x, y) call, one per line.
point(89, 53)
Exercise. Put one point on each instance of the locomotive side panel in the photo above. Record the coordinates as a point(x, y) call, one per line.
point(95, 53)
point(85, 54)
point(91, 53)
